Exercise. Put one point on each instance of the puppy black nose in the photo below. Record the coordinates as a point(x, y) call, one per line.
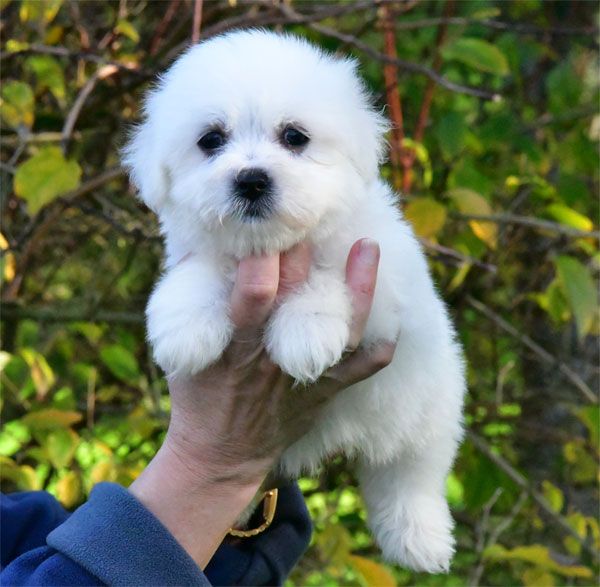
point(252, 184)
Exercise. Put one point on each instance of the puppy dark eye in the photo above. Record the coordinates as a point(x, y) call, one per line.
point(212, 140)
point(292, 137)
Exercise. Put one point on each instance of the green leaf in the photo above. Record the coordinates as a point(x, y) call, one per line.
point(569, 217)
point(61, 446)
point(580, 291)
point(470, 202)
point(17, 104)
point(12, 437)
point(478, 54)
point(590, 416)
point(451, 131)
point(426, 216)
point(128, 30)
point(538, 555)
point(121, 362)
point(554, 496)
point(35, 10)
point(44, 177)
point(49, 75)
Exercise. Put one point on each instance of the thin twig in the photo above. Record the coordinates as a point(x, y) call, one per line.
point(547, 225)
point(513, 27)
point(494, 535)
point(67, 131)
point(542, 353)
point(162, 26)
point(522, 482)
point(401, 63)
point(49, 314)
point(390, 76)
point(448, 252)
point(197, 21)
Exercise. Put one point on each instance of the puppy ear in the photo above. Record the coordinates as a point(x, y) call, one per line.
point(368, 145)
point(371, 149)
point(147, 171)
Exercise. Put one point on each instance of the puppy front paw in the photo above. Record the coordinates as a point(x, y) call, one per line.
point(417, 535)
point(306, 344)
point(187, 340)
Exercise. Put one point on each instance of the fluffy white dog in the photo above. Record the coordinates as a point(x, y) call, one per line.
point(253, 142)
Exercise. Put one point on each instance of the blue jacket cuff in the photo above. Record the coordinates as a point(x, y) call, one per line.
point(136, 548)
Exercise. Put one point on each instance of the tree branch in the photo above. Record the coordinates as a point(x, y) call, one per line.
point(522, 482)
point(11, 310)
point(538, 223)
point(570, 375)
point(401, 63)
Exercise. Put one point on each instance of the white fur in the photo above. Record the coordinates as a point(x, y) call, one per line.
point(402, 424)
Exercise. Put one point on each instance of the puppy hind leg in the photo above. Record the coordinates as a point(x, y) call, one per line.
point(408, 512)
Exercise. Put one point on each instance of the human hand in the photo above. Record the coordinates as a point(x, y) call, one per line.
point(231, 422)
point(235, 418)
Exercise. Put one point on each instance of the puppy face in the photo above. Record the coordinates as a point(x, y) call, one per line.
point(256, 138)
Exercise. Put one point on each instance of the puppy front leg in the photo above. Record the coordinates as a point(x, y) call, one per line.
point(407, 510)
point(309, 332)
point(187, 317)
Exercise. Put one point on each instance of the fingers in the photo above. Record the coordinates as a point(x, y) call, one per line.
point(361, 276)
point(362, 364)
point(294, 266)
point(254, 291)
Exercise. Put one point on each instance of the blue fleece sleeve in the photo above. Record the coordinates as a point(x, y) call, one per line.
point(110, 540)
point(27, 518)
point(113, 539)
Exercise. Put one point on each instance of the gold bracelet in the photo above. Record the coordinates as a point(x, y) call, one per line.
point(269, 507)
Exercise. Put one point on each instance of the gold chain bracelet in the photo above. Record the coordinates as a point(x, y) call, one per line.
point(269, 507)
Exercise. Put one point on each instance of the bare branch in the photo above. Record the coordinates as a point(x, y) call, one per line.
point(542, 353)
point(513, 27)
point(522, 482)
point(448, 252)
point(197, 22)
point(401, 63)
point(48, 314)
point(547, 225)
point(67, 131)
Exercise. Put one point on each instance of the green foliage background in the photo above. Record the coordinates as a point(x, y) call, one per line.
point(503, 194)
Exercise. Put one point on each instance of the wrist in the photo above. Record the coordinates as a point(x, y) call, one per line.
point(206, 460)
point(197, 505)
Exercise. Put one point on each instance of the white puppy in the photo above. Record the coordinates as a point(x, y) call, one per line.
point(253, 142)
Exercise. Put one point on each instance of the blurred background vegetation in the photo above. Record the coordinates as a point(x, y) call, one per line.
point(495, 147)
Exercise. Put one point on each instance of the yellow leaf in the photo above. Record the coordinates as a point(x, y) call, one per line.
point(103, 471)
point(68, 489)
point(538, 555)
point(374, 574)
point(537, 578)
point(470, 202)
point(426, 216)
point(40, 371)
point(335, 543)
point(23, 476)
point(51, 418)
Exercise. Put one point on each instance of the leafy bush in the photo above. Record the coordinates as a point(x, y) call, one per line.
point(496, 149)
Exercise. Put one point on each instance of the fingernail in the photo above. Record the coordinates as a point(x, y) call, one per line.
point(369, 251)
